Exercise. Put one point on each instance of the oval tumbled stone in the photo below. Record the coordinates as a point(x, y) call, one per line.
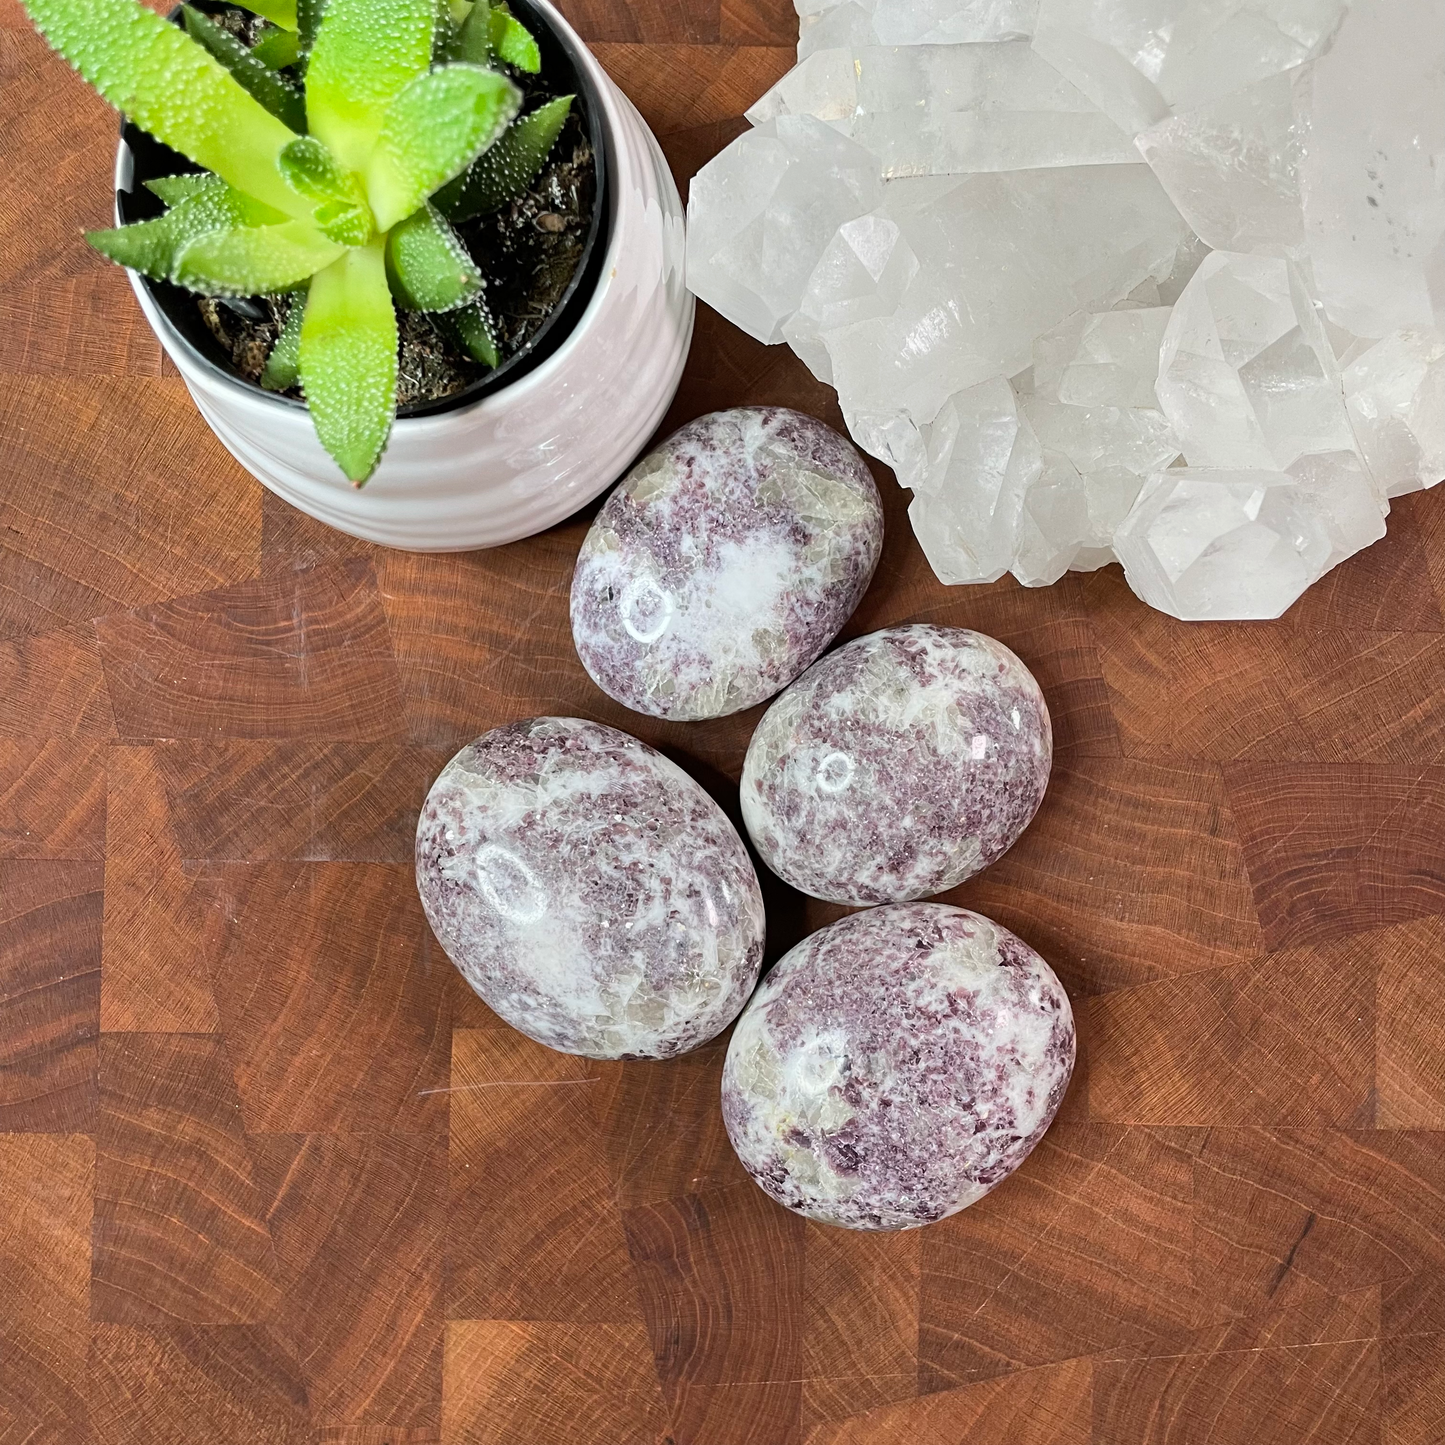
point(898, 765)
point(589, 890)
point(897, 1065)
point(724, 563)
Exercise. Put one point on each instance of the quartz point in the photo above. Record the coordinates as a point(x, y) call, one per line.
point(968, 504)
point(1232, 165)
point(1275, 492)
point(849, 23)
point(1104, 243)
point(950, 109)
point(1002, 257)
point(1035, 480)
point(1108, 358)
point(897, 1065)
point(932, 22)
point(1371, 177)
point(1208, 544)
point(761, 214)
point(1246, 374)
point(1139, 59)
point(862, 273)
point(828, 24)
point(1110, 450)
point(1395, 393)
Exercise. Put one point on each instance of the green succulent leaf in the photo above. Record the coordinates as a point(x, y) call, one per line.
point(278, 12)
point(472, 326)
point(512, 41)
point(348, 358)
point(146, 246)
point(255, 260)
point(507, 167)
point(366, 53)
point(175, 189)
point(277, 47)
point(444, 31)
point(252, 75)
point(472, 39)
point(229, 206)
point(488, 33)
point(169, 86)
point(344, 221)
point(202, 209)
point(308, 22)
point(283, 365)
point(432, 130)
point(427, 267)
point(311, 171)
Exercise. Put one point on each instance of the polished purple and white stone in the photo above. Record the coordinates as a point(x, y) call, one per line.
point(898, 766)
point(896, 1066)
point(589, 890)
point(724, 563)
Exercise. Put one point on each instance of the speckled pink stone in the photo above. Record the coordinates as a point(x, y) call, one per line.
point(724, 563)
point(898, 766)
point(896, 1066)
point(589, 890)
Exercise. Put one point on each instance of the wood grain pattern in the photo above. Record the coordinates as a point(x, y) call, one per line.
point(999, 1291)
point(535, 1231)
point(52, 799)
point(223, 1383)
point(1326, 1393)
point(358, 1222)
point(1066, 885)
point(243, 801)
point(512, 1382)
point(50, 985)
point(859, 1322)
point(1287, 1039)
point(272, 658)
point(1046, 1406)
point(54, 685)
point(270, 1174)
point(334, 953)
point(180, 1231)
point(112, 516)
point(46, 1185)
point(639, 1106)
point(154, 980)
point(1333, 850)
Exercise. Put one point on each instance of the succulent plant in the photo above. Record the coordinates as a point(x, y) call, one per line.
point(335, 152)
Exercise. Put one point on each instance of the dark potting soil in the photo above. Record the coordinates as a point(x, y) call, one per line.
point(527, 253)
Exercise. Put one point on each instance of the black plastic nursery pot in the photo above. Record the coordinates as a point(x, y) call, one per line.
point(561, 74)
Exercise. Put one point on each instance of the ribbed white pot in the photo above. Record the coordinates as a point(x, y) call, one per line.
point(521, 459)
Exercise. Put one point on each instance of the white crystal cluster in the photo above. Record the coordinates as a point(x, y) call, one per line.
point(1160, 281)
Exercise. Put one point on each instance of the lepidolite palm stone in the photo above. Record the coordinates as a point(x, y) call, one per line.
point(898, 766)
point(724, 563)
point(589, 890)
point(896, 1066)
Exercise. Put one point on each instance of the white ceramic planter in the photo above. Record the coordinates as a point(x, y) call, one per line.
point(517, 461)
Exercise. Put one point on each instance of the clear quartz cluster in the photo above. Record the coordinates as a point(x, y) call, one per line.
point(1154, 281)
